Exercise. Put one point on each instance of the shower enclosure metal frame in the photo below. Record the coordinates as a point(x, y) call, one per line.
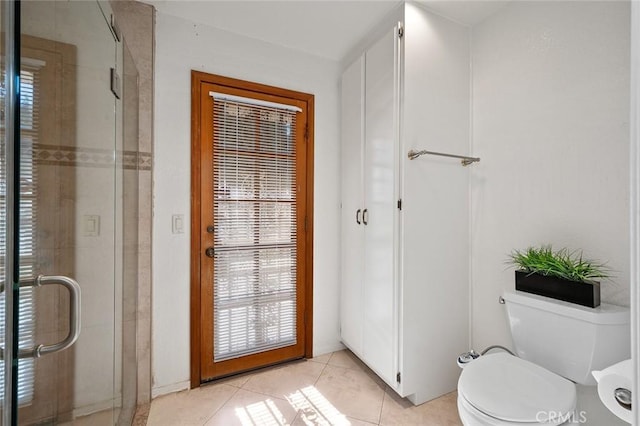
point(12, 115)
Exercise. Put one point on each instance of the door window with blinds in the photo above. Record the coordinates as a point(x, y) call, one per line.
point(250, 233)
point(254, 216)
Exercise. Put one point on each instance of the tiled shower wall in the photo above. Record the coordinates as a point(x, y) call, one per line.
point(136, 20)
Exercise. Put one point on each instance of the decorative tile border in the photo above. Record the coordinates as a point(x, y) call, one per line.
point(90, 157)
point(145, 160)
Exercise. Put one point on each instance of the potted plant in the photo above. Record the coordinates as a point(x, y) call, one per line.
point(560, 274)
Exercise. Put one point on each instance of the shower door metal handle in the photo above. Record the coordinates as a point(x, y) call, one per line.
point(74, 315)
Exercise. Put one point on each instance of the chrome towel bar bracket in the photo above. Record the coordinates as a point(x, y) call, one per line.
point(465, 161)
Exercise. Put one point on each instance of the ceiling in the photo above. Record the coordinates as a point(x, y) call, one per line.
point(467, 12)
point(329, 29)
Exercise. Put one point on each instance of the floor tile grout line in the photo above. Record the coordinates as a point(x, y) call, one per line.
point(357, 417)
point(282, 398)
point(367, 421)
point(384, 396)
point(357, 369)
point(296, 416)
point(387, 393)
point(223, 404)
point(320, 375)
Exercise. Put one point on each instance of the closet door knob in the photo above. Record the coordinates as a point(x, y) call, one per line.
point(358, 217)
point(365, 216)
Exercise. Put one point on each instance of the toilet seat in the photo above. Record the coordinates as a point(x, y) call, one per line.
point(512, 390)
point(471, 416)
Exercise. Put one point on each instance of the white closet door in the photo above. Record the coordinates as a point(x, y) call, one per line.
point(380, 203)
point(351, 308)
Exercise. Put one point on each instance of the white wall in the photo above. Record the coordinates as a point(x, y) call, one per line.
point(550, 122)
point(180, 47)
point(435, 200)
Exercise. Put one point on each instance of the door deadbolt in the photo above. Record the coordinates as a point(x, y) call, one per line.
point(210, 252)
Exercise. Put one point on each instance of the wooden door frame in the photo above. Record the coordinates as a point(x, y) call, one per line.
point(197, 79)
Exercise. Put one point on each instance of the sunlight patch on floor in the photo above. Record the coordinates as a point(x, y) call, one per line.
point(261, 413)
point(312, 406)
point(315, 409)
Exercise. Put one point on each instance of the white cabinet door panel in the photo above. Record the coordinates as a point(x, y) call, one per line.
point(380, 202)
point(351, 308)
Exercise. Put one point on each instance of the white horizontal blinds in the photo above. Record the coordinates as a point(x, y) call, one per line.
point(29, 127)
point(254, 216)
point(256, 102)
point(29, 124)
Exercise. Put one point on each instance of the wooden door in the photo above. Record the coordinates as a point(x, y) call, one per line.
point(251, 225)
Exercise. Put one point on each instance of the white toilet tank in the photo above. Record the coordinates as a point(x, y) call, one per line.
point(568, 339)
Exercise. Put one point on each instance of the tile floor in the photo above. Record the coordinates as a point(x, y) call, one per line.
point(105, 417)
point(333, 389)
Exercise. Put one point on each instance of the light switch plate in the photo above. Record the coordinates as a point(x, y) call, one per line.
point(91, 225)
point(177, 224)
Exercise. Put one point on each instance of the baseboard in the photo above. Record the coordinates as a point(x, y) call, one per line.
point(96, 407)
point(325, 349)
point(166, 389)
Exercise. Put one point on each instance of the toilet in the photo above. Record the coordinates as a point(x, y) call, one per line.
point(558, 345)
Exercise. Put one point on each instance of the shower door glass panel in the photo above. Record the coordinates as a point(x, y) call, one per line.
point(67, 216)
point(6, 20)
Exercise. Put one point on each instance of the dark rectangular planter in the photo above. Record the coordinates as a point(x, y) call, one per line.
point(585, 294)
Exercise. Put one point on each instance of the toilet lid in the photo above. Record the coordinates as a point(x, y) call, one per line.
point(515, 390)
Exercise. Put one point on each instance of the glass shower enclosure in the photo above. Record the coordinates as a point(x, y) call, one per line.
point(68, 215)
